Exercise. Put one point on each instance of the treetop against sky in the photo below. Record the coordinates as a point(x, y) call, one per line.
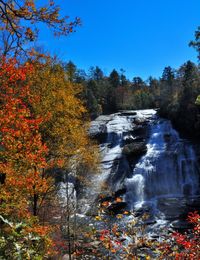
point(140, 36)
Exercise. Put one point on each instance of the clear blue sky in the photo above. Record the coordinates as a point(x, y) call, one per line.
point(140, 36)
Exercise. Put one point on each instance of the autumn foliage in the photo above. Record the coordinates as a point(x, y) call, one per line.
point(65, 133)
point(184, 246)
point(22, 152)
point(39, 108)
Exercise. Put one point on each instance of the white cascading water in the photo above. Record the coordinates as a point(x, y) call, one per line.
point(168, 169)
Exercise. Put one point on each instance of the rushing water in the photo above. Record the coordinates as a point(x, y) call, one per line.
point(168, 169)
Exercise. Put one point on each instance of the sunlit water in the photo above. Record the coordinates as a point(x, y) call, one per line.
point(168, 169)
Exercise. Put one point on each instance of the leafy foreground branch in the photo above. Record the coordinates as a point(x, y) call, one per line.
point(18, 241)
point(20, 19)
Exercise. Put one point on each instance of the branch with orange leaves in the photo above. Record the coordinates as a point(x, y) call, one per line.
point(20, 19)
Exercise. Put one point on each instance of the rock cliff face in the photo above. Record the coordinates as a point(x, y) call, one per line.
point(122, 138)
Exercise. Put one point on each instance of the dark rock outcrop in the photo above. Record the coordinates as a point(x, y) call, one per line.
point(100, 135)
point(117, 207)
point(137, 148)
point(139, 130)
point(106, 199)
point(130, 139)
point(140, 121)
point(127, 113)
point(120, 192)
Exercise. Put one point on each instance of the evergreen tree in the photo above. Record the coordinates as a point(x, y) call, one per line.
point(96, 73)
point(123, 79)
point(196, 42)
point(71, 71)
point(168, 75)
point(138, 83)
point(114, 79)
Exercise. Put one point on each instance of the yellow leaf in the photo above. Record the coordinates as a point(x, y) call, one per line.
point(126, 213)
point(98, 218)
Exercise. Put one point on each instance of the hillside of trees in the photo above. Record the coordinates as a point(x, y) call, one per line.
point(174, 93)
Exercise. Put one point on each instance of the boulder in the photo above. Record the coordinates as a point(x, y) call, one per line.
point(172, 208)
point(106, 198)
point(130, 139)
point(98, 129)
point(141, 211)
point(139, 130)
point(150, 222)
point(180, 225)
point(137, 148)
point(139, 139)
point(119, 192)
point(140, 121)
point(117, 207)
point(99, 136)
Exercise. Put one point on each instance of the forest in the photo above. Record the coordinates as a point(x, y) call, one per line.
point(47, 106)
point(175, 93)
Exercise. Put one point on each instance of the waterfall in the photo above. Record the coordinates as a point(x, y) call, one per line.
point(164, 181)
point(168, 169)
